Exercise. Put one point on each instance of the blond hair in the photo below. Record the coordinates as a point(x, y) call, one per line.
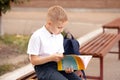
point(56, 13)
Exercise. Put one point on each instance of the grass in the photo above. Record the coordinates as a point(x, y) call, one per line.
point(19, 44)
point(5, 68)
point(19, 41)
point(9, 67)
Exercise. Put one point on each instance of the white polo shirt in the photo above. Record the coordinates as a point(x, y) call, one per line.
point(43, 43)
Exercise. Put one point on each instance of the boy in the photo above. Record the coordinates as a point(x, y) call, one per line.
point(45, 47)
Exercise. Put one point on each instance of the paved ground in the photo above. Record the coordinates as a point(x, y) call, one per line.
point(111, 67)
point(81, 23)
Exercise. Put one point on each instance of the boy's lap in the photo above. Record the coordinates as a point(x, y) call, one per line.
point(52, 74)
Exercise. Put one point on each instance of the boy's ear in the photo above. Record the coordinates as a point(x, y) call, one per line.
point(49, 23)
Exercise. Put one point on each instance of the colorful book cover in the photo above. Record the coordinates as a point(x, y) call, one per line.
point(77, 62)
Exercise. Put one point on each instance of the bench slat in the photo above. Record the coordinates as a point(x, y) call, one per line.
point(93, 44)
point(32, 77)
point(105, 44)
point(99, 45)
point(90, 43)
point(107, 48)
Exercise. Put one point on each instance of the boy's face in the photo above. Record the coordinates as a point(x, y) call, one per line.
point(57, 27)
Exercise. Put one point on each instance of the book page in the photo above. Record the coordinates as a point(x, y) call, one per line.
point(85, 59)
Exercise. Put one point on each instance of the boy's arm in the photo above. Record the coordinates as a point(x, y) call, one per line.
point(37, 60)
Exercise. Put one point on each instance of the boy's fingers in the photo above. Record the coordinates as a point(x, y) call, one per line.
point(69, 70)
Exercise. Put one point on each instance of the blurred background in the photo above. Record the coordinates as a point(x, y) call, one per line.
point(20, 18)
point(25, 18)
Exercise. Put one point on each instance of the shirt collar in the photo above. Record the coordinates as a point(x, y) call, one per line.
point(48, 33)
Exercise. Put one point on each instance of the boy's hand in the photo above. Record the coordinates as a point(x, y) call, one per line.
point(57, 57)
point(79, 73)
point(69, 70)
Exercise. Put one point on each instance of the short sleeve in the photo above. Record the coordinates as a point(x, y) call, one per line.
point(34, 45)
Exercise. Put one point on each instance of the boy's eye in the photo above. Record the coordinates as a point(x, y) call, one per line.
point(60, 27)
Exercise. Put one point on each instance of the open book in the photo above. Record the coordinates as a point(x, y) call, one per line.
point(77, 62)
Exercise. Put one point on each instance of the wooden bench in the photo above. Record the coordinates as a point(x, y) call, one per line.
point(99, 47)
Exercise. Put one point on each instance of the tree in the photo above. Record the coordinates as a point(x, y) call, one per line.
point(5, 6)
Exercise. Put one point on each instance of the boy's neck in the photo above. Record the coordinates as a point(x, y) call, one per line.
point(47, 27)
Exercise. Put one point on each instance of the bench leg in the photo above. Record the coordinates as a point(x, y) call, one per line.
point(119, 45)
point(119, 50)
point(101, 71)
point(101, 68)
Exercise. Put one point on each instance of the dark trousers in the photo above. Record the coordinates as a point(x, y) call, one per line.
point(49, 71)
